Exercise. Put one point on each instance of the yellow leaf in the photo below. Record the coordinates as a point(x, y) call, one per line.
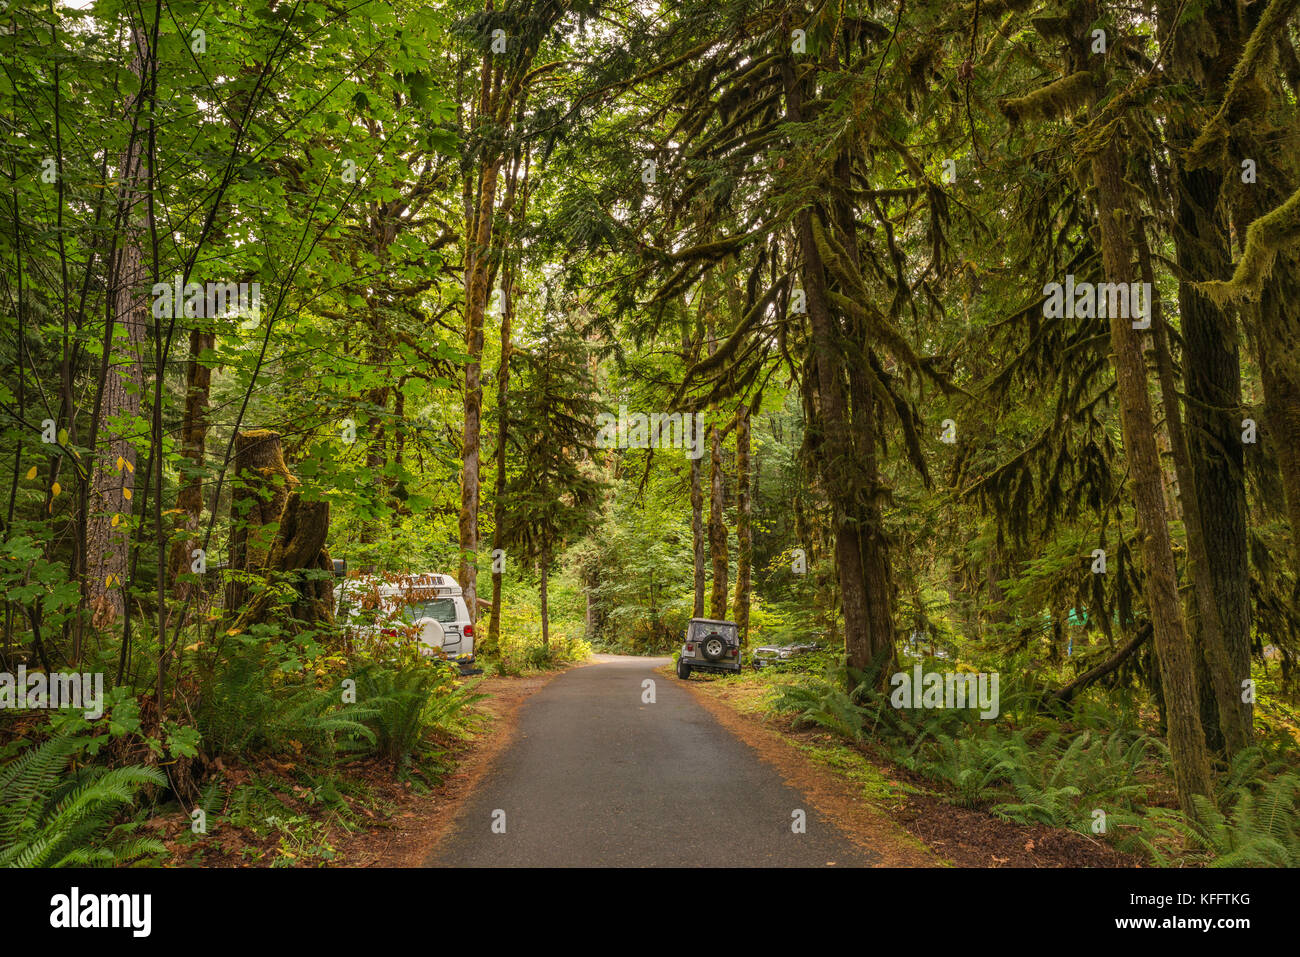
point(130, 468)
point(233, 631)
point(31, 473)
point(116, 519)
point(194, 647)
point(126, 494)
point(121, 462)
point(55, 489)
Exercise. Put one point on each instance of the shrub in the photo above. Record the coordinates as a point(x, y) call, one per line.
point(405, 705)
point(248, 707)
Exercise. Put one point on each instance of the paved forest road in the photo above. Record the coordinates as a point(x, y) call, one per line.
point(594, 777)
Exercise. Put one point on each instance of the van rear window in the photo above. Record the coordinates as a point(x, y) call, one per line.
point(439, 609)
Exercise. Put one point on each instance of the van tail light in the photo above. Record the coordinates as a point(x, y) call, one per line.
point(690, 647)
point(733, 652)
point(469, 631)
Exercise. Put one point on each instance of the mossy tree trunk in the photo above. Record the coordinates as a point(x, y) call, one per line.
point(744, 528)
point(544, 570)
point(1188, 754)
point(1222, 718)
point(1208, 453)
point(112, 480)
point(697, 535)
point(717, 527)
point(259, 493)
point(1278, 339)
point(194, 432)
point(850, 469)
point(503, 432)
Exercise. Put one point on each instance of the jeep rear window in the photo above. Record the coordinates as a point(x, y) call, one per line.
point(700, 630)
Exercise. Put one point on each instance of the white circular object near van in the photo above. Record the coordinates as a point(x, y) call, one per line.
point(431, 632)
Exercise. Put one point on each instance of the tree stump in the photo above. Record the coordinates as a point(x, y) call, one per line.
point(298, 557)
point(259, 492)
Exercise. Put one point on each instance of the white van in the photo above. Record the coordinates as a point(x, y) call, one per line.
point(432, 603)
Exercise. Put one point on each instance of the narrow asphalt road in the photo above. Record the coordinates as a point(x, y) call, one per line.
point(597, 777)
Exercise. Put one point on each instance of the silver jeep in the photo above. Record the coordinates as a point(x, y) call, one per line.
point(710, 645)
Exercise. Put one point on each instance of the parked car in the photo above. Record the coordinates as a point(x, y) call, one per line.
point(766, 656)
point(921, 645)
point(433, 604)
point(709, 645)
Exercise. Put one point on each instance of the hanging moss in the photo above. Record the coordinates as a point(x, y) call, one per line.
point(1055, 28)
point(1247, 100)
point(991, 9)
point(1246, 96)
point(1265, 238)
point(1051, 101)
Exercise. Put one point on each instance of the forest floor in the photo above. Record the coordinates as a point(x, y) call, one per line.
point(853, 786)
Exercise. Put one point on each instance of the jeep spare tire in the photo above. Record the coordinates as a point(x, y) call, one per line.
point(714, 647)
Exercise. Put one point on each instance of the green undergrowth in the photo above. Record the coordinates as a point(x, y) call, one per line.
point(273, 736)
point(1098, 769)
